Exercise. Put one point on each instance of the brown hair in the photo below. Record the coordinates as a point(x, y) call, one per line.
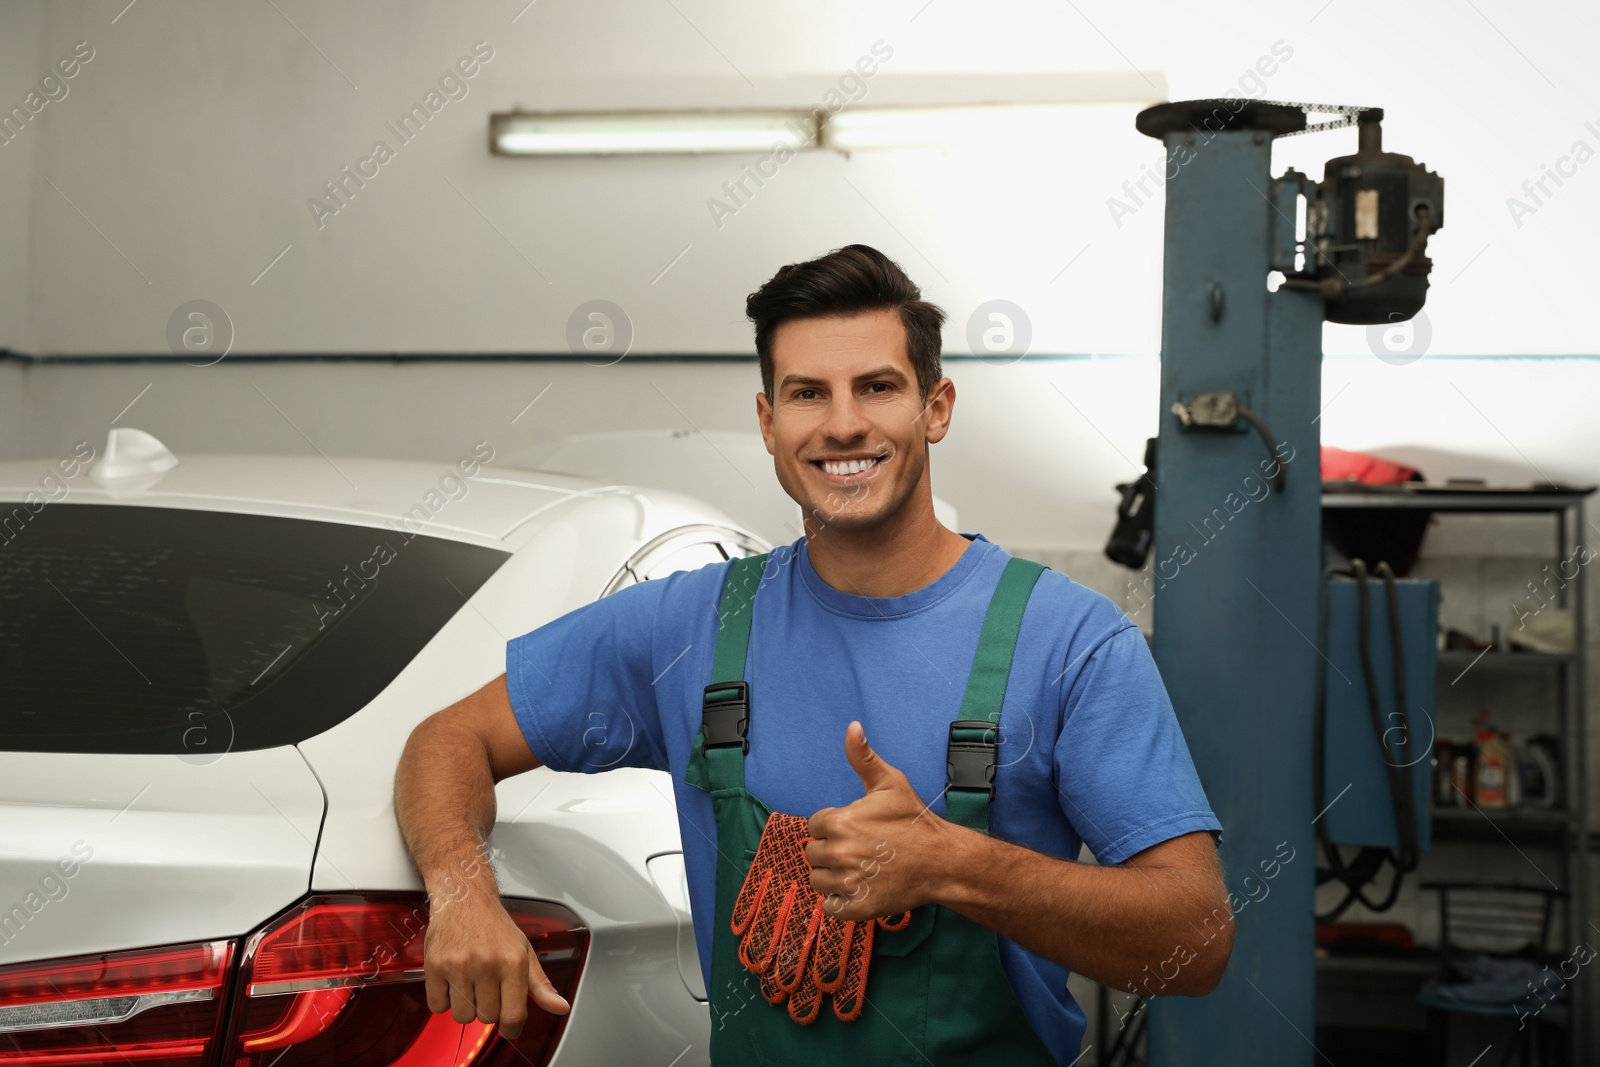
point(846, 281)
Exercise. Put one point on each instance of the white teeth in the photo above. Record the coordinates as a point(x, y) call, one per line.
point(849, 466)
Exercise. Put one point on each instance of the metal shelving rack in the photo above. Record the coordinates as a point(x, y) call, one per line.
point(1566, 505)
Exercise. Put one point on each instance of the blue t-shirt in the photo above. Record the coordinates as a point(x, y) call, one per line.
point(1090, 749)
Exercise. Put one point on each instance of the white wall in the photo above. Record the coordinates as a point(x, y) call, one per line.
point(195, 138)
point(19, 51)
point(19, 70)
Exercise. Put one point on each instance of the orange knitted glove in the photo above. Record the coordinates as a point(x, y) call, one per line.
point(788, 938)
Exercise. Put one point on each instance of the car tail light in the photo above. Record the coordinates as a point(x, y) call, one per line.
point(339, 980)
point(155, 1007)
point(336, 979)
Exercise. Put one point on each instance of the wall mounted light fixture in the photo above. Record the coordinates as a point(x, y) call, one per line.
point(647, 132)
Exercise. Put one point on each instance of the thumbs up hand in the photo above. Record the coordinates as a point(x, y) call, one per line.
point(878, 855)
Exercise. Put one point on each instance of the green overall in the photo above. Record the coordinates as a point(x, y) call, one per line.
point(935, 992)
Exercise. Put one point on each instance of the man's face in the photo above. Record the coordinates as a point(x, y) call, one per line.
point(846, 428)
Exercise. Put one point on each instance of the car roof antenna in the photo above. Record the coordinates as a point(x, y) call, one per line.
point(132, 455)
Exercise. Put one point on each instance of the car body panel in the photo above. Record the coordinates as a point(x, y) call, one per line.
point(178, 848)
point(563, 564)
point(581, 839)
point(354, 490)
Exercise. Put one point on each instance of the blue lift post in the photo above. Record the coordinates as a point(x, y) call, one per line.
point(1238, 562)
point(1237, 535)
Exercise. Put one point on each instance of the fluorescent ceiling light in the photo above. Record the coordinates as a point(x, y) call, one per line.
point(923, 127)
point(632, 132)
point(847, 130)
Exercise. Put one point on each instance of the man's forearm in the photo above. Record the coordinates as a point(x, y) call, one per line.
point(444, 802)
point(1145, 929)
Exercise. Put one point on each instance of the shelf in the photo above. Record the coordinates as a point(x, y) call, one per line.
point(1512, 822)
point(1465, 657)
point(1426, 497)
point(1422, 965)
point(1554, 840)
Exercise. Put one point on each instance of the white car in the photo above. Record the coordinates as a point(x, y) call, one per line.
point(207, 674)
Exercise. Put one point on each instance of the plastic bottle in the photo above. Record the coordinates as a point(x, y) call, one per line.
point(1539, 773)
point(1490, 786)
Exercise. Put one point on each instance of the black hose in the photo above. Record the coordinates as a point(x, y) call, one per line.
point(1356, 874)
point(1272, 445)
point(1406, 807)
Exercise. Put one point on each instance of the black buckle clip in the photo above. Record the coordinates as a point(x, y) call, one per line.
point(725, 720)
point(970, 764)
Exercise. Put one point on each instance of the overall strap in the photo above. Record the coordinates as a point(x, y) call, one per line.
point(725, 708)
point(975, 736)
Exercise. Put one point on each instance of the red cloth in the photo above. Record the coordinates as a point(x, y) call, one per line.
point(1340, 465)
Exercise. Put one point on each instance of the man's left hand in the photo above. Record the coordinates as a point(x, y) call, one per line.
point(876, 856)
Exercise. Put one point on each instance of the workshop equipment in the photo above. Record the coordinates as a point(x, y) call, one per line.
point(1369, 220)
point(1240, 509)
point(1374, 728)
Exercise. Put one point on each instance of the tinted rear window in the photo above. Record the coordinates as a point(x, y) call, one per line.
point(193, 633)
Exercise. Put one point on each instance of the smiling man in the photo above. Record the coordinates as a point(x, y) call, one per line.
point(888, 742)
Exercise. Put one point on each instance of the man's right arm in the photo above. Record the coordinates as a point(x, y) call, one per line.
point(477, 963)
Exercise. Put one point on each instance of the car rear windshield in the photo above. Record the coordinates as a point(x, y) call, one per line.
point(194, 633)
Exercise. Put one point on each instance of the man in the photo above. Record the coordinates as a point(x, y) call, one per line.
point(936, 905)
